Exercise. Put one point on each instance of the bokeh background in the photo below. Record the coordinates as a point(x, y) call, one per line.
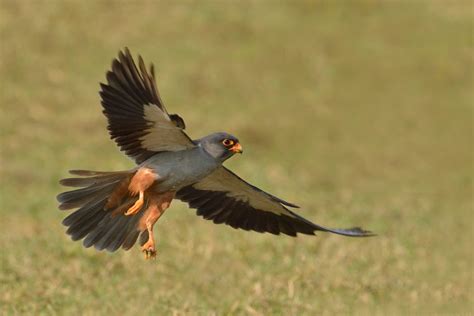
point(359, 111)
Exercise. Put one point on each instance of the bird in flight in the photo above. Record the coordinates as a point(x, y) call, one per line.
point(114, 209)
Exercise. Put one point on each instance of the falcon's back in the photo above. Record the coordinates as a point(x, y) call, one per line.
point(177, 169)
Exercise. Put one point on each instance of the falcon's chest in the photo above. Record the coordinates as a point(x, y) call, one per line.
point(181, 168)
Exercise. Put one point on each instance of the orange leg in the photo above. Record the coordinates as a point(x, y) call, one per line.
point(158, 203)
point(141, 181)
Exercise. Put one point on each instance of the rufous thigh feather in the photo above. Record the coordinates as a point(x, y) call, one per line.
point(157, 204)
point(142, 180)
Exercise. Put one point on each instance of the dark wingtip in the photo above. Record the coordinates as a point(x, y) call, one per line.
point(353, 232)
point(290, 204)
point(124, 51)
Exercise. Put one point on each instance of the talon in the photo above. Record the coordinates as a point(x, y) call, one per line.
point(150, 253)
point(149, 249)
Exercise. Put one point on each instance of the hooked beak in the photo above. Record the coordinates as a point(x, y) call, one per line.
point(237, 148)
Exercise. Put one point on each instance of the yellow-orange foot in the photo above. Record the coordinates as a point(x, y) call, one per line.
point(149, 249)
point(137, 206)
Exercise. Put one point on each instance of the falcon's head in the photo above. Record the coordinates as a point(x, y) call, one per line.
point(221, 146)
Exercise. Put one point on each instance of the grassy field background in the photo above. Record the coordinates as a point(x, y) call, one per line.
point(361, 112)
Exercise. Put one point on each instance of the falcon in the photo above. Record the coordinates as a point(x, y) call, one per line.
point(115, 209)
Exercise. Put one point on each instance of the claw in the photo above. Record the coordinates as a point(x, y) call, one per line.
point(149, 251)
point(149, 248)
point(149, 254)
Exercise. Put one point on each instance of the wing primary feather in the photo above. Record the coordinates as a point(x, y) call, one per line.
point(286, 228)
point(209, 206)
point(135, 78)
point(272, 225)
point(241, 205)
point(151, 86)
point(124, 83)
point(221, 217)
point(137, 119)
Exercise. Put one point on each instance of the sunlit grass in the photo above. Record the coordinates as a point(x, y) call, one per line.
point(361, 113)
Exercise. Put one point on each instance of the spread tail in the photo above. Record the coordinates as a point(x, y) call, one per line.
point(101, 198)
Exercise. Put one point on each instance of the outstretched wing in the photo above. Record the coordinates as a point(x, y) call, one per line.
point(138, 120)
point(223, 197)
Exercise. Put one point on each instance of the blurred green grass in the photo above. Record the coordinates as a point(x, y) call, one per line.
point(360, 112)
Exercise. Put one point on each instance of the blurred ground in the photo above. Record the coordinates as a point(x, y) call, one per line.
point(360, 112)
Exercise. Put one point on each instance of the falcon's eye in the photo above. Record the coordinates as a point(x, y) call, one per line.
point(228, 142)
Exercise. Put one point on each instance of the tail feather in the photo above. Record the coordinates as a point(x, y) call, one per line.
point(91, 173)
point(120, 233)
point(84, 182)
point(99, 231)
point(86, 201)
point(84, 195)
point(82, 226)
point(114, 233)
point(84, 214)
point(130, 239)
point(95, 221)
point(129, 230)
point(143, 237)
point(110, 229)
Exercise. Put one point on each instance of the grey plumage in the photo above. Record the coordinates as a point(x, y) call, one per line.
point(212, 144)
point(142, 128)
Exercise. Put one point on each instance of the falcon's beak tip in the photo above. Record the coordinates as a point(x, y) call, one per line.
point(237, 148)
